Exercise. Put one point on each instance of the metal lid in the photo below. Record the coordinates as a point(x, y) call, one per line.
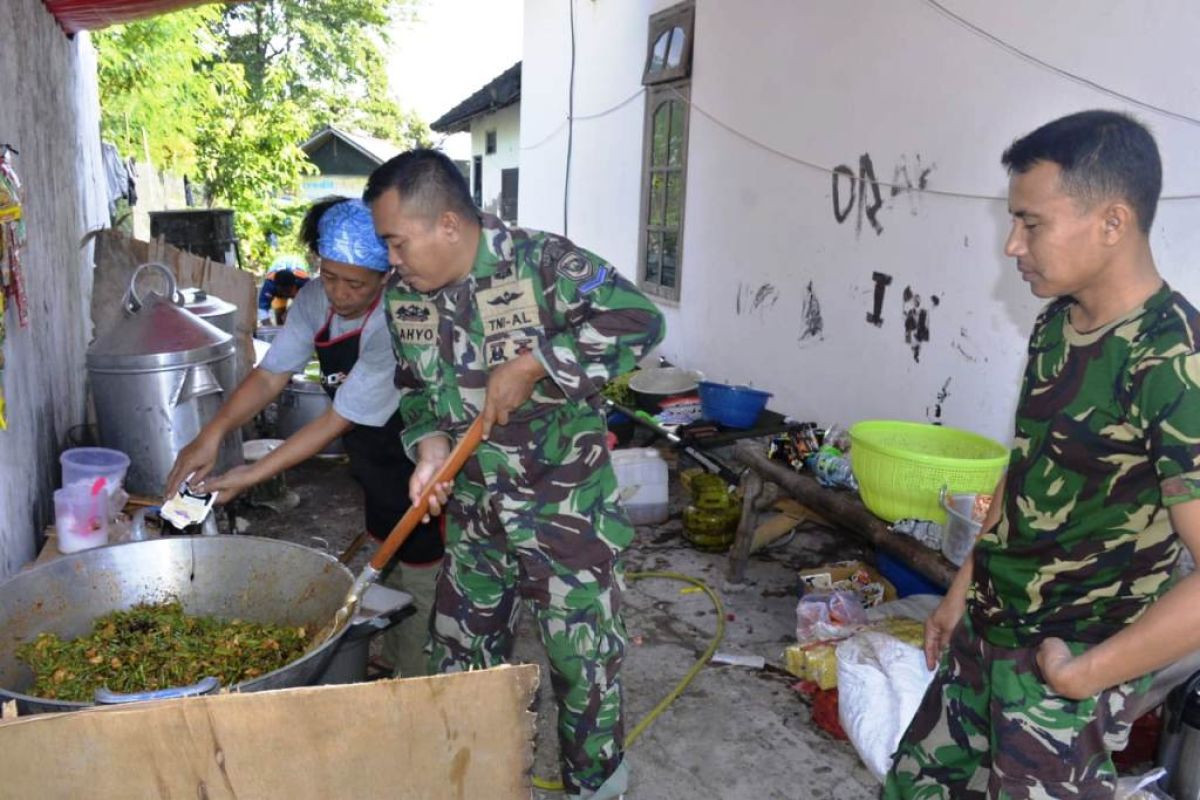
point(203, 304)
point(160, 335)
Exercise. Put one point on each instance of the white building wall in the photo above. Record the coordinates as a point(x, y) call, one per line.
point(52, 116)
point(507, 124)
point(828, 82)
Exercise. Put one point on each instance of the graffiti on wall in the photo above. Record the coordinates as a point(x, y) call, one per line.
point(755, 299)
point(812, 321)
point(860, 193)
point(916, 320)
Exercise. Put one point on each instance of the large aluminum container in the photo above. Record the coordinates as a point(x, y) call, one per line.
point(157, 377)
point(211, 309)
point(301, 402)
point(215, 311)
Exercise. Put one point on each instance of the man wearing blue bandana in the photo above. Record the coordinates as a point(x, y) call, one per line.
point(339, 315)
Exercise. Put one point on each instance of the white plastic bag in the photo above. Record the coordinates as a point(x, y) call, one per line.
point(881, 681)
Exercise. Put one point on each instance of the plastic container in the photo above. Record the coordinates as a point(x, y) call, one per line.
point(642, 478)
point(80, 517)
point(961, 528)
point(901, 467)
point(906, 579)
point(83, 465)
point(732, 406)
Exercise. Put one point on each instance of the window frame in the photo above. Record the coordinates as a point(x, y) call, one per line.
point(490, 142)
point(681, 16)
point(506, 200)
point(655, 96)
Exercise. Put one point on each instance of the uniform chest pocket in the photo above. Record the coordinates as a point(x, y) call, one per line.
point(511, 321)
point(415, 322)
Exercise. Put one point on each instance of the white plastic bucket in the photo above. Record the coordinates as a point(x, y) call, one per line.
point(80, 517)
point(642, 478)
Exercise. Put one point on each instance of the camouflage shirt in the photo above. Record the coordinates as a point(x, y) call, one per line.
point(527, 292)
point(1107, 436)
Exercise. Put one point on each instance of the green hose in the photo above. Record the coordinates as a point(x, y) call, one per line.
point(673, 695)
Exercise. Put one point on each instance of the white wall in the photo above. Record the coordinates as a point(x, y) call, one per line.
point(828, 81)
point(507, 124)
point(51, 115)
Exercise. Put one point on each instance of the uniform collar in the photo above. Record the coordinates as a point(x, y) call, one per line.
point(494, 257)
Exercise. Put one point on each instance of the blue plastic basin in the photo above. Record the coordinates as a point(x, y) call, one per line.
point(732, 406)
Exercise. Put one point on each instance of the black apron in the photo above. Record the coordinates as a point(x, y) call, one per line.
point(377, 458)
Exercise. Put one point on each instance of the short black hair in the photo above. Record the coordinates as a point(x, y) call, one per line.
point(309, 234)
point(284, 278)
point(427, 178)
point(1103, 154)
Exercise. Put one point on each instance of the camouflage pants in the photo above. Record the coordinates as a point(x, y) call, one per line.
point(989, 727)
point(484, 577)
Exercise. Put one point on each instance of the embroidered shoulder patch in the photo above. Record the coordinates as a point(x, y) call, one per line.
point(595, 282)
point(575, 267)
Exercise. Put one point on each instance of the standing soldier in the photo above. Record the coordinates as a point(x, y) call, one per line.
point(1054, 630)
point(523, 328)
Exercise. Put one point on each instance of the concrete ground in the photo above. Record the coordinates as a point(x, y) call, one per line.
point(735, 732)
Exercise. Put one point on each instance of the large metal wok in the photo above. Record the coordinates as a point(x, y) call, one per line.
point(244, 577)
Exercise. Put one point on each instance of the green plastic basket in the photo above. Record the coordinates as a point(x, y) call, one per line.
point(902, 466)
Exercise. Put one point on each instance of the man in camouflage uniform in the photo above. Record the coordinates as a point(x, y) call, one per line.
point(522, 328)
point(1057, 624)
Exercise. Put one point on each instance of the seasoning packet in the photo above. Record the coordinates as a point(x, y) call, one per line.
point(187, 507)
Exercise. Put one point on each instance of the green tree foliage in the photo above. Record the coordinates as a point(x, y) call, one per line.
point(153, 88)
point(227, 93)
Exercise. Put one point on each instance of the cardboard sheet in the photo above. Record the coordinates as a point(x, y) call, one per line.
point(459, 737)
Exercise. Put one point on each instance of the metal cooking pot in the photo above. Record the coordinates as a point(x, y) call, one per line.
point(243, 577)
point(211, 309)
point(301, 402)
point(157, 377)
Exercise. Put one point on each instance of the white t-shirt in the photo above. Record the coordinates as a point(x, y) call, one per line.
point(368, 396)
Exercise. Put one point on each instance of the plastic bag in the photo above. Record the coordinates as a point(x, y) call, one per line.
point(828, 616)
point(881, 681)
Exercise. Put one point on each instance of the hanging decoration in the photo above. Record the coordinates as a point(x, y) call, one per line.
point(12, 238)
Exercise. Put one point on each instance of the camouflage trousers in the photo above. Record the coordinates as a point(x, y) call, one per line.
point(484, 578)
point(989, 727)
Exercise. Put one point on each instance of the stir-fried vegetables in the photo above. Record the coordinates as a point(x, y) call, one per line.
point(157, 646)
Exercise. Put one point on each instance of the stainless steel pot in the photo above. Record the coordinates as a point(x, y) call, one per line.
point(211, 309)
point(300, 403)
point(244, 577)
point(157, 377)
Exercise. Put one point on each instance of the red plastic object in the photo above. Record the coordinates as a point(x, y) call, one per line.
point(89, 15)
point(1143, 743)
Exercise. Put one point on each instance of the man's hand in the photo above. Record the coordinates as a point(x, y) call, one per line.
point(509, 385)
point(431, 454)
point(940, 625)
point(1062, 672)
point(229, 485)
point(196, 460)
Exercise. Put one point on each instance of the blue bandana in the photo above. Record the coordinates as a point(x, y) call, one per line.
point(346, 233)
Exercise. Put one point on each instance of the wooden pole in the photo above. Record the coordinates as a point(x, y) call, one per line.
point(752, 487)
point(847, 510)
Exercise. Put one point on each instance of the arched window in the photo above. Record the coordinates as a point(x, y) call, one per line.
point(664, 159)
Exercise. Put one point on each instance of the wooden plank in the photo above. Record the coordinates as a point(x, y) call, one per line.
point(456, 736)
point(847, 511)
